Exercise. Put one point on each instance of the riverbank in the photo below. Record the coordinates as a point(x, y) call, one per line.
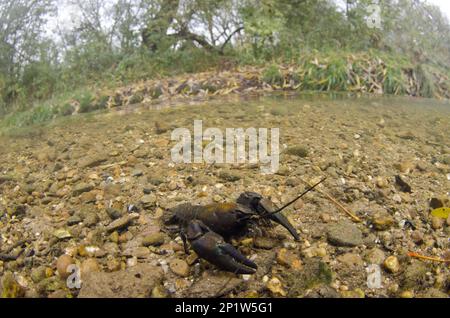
point(373, 73)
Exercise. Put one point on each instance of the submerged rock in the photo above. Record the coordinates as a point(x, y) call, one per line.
point(344, 233)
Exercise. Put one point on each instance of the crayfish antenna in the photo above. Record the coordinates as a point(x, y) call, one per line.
point(293, 201)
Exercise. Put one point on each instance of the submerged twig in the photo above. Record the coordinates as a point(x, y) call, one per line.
point(428, 258)
point(340, 206)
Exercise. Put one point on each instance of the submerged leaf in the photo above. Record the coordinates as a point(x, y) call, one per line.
point(443, 212)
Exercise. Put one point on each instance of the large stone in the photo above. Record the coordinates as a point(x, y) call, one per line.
point(135, 282)
point(350, 260)
point(344, 233)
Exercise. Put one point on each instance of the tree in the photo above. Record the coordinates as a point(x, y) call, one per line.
point(22, 38)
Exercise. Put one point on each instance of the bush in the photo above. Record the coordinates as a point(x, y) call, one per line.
point(272, 75)
point(86, 102)
point(66, 109)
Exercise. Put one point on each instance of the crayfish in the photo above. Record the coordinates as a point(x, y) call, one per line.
point(208, 228)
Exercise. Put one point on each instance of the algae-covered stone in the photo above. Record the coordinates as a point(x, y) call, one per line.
point(10, 288)
point(299, 151)
point(154, 239)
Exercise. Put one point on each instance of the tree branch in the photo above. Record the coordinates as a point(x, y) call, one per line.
point(229, 38)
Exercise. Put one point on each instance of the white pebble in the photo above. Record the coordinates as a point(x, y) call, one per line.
point(374, 276)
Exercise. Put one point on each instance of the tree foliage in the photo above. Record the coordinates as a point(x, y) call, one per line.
point(127, 39)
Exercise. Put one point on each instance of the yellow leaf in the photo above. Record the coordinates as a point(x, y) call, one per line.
point(441, 212)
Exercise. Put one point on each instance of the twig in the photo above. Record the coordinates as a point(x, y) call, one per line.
point(340, 206)
point(428, 258)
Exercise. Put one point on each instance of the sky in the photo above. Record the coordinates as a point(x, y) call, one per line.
point(443, 4)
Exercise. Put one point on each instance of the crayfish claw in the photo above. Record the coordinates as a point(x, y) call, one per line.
point(213, 248)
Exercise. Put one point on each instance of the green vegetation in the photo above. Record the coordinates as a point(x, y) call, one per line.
point(115, 43)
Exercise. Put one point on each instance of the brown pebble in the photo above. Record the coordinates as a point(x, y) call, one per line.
point(289, 259)
point(417, 237)
point(89, 266)
point(325, 217)
point(179, 267)
point(436, 222)
point(62, 265)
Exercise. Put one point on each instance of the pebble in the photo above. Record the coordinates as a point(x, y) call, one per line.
point(405, 167)
point(90, 162)
point(137, 173)
point(121, 223)
point(407, 294)
point(89, 265)
point(159, 292)
point(289, 259)
point(62, 265)
point(73, 220)
point(154, 239)
point(229, 176)
point(172, 186)
point(179, 267)
point(276, 288)
point(62, 234)
point(112, 264)
point(264, 243)
point(357, 293)
point(382, 221)
point(417, 237)
point(191, 258)
point(436, 222)
point(81, 188)
point(140, 252)
point(381, 182)
point(436, 203)
point(38, 274)
point(132, 261)
point(391, 264)
point(350, 259)
point(374, 256)
point(325, 217)
point(148, 200)
point(397, 198)
point(113, 213)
